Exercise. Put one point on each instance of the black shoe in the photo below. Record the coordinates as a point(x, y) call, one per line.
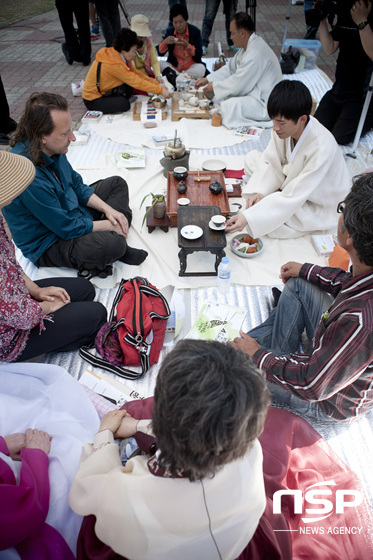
point(4, 139)
point(91, 273)
point(170, 75)
point(108, 271)
point(133, 256)
point(86, 62)
point(65, 51)
point(276, 296)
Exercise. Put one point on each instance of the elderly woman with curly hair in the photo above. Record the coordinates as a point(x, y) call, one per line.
point(201, 494)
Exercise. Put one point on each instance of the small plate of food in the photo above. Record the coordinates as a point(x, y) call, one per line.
point(246, 246)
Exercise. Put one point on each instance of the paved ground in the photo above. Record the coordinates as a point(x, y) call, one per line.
point(31, 58)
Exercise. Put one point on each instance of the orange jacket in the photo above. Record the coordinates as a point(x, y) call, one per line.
point(115, 72)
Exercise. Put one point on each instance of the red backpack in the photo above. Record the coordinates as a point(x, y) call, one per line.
point(135, 332)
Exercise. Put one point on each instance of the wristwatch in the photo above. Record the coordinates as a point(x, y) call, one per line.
point(362, 25)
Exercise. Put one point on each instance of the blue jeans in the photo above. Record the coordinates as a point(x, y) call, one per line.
point(299, 308)
point(211, 10)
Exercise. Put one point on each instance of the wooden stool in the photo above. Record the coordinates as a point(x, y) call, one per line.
point(151, 222)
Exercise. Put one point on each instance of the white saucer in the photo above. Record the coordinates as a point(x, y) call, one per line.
point(216, 228)
point(191, 232)
point(183, 201)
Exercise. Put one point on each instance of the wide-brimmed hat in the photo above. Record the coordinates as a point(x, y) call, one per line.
point(16, 173)
point(140, 25)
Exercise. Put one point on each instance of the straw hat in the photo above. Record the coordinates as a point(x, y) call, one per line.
point(16, 173)
point(140, 25)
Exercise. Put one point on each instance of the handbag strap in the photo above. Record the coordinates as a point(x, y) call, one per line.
point(98, 71)
point(122, 371)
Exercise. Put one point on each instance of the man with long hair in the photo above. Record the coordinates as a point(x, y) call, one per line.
point(58, 220)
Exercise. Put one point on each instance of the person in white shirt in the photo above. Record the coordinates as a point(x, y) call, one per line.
point(296, 183)
point(243, 85)
point(201, 495)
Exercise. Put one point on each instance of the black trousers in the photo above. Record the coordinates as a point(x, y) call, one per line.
point(110, 103)
point(5, 121)
point(74, 325)
point(108, 13)
point(78, 44)
point(341, 116)
point(97, 249)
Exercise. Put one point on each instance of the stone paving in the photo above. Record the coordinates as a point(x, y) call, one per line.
point(31, 58)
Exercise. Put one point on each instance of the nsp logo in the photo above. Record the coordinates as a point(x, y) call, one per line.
point(312, 496)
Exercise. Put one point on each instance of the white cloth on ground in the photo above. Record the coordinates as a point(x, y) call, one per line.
point(244, 84)
point(301, 189)
point(162, 265)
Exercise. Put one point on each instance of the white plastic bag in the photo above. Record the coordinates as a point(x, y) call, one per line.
point(77, 88)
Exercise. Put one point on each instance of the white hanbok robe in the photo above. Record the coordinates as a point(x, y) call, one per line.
point(301, 187)
point(146, 517)
point(243, 85)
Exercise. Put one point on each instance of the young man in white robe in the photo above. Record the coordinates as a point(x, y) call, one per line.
point(243, 85)
point(297, 182)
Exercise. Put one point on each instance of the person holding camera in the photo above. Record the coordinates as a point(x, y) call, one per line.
point(340, 108)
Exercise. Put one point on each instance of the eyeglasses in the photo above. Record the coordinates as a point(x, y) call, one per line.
point(341, 207)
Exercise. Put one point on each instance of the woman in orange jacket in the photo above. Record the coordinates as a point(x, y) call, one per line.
point(112, 77)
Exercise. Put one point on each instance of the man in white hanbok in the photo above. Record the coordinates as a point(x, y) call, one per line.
point(243, 85)
point(296, 183)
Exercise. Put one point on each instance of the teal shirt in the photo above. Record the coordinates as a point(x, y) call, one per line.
point(52, 207)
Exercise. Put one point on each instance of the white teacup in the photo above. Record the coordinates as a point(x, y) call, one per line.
point(218, 220)
point(203, 103)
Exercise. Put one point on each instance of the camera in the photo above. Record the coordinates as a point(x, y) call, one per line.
point(329, 9)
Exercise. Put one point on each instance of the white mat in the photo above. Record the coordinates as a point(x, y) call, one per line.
point(162, 264)
point(195, 133)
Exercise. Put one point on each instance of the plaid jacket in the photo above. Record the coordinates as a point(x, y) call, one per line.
point(339, 372)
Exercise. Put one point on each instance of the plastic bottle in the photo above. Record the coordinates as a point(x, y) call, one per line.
point(223, 282)
point(222, 58)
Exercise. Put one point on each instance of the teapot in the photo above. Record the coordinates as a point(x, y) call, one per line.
point(181, 188)
point(174, 149)
point(216, 187)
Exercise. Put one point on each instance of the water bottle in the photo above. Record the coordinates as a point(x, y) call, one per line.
point(224, 276)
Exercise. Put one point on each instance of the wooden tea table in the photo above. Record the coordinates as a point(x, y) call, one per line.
point(197, 192)
point(211, 240)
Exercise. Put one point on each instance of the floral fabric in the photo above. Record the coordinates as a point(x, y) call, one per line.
point(19, 313)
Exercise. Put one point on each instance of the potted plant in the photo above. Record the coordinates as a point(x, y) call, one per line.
point(158, 203)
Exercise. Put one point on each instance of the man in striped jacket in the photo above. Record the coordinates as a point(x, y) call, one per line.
point(334, 381)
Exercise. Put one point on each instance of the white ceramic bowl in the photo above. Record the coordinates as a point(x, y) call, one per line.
point(214, 165)
point(218, 220)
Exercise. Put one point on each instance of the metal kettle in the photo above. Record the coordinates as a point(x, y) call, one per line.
point(174, 149)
